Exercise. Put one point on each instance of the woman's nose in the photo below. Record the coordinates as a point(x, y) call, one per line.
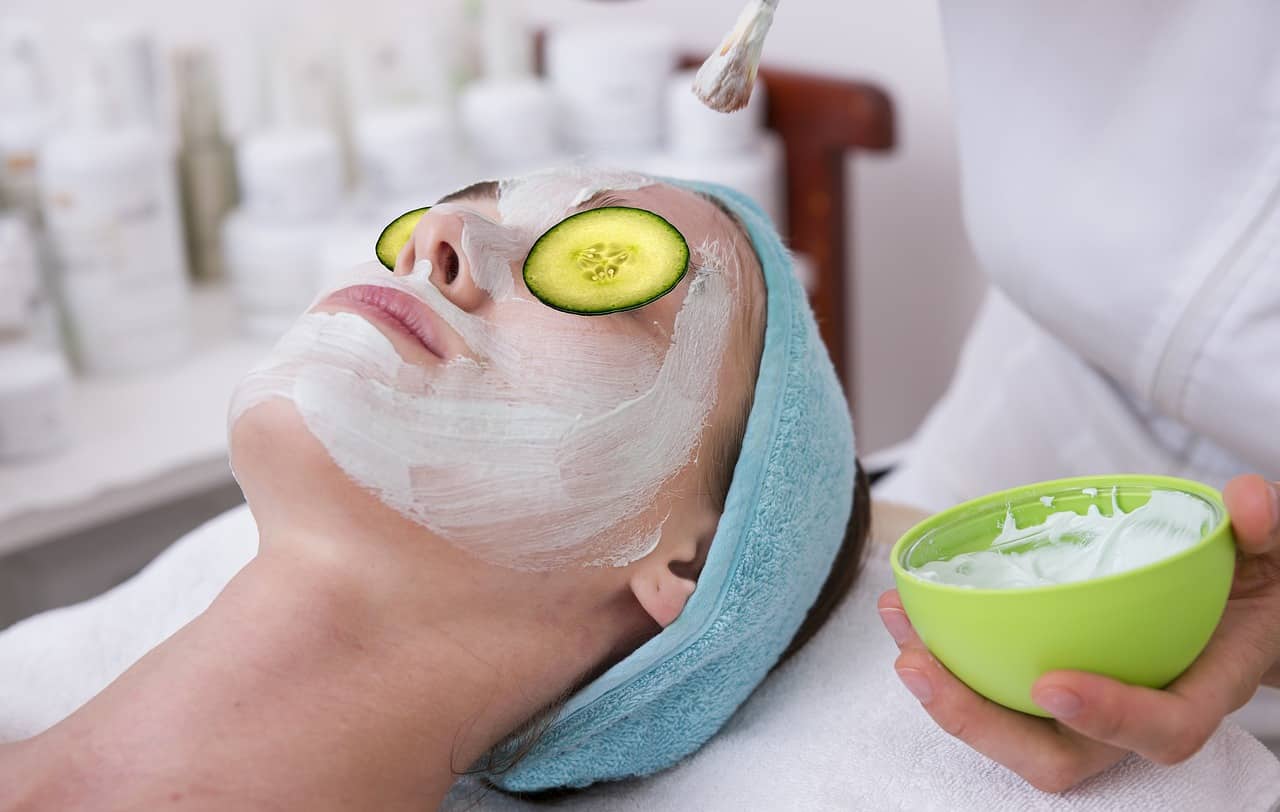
point(438, 239)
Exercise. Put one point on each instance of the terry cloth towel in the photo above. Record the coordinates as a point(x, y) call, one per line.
point(831, 730)
point(834, 729)
point(783, 522)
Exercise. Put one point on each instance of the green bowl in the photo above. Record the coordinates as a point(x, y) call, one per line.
point(1143, 626)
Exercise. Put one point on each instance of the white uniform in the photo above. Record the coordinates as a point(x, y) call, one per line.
point(1121, 172)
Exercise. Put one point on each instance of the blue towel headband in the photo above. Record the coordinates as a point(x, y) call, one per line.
point(783, 523)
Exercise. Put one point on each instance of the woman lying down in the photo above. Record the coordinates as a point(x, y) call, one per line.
point(543, 505)
point(552, 537)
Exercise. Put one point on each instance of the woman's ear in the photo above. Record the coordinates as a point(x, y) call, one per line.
point(661, 593)
point(663, 580)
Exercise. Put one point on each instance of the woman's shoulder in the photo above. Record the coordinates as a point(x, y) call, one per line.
point(57, 660)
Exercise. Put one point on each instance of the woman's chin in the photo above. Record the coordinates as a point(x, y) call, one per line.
point(290, 480)
point(278, 462)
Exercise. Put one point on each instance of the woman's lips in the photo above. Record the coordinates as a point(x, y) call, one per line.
point(394, 308)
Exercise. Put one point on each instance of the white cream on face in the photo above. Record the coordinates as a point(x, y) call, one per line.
point(1069, 547)
point(549, 444)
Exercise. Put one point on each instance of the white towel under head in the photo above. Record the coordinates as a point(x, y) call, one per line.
point(833, 729)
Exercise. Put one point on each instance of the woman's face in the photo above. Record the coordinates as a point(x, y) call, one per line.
point(529, 437)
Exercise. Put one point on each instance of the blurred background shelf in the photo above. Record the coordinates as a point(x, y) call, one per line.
point(294, 136)
point(139, 442)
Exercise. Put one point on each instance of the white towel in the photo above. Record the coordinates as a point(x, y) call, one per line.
point(54, 662)
point(832, 730)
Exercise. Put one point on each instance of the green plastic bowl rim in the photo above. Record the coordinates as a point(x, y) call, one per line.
point(1025, 493)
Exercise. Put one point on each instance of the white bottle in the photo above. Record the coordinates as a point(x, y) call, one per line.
point(25, 306)
point(109, 199)
point(205, 162)
point(304, 90)
point(35, 384)
point(25, 115)
point(402, 64)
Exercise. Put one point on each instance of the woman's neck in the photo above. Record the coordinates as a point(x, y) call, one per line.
point(316, 682)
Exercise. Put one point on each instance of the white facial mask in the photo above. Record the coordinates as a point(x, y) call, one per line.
point(549, 446)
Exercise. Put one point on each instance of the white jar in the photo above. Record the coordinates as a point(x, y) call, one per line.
point(409, 151)
point(693, 129)
point(274, 268)
point(35, 401)
point(609, 82)
point(509, 124)
point(290, 175)
point(110, 204)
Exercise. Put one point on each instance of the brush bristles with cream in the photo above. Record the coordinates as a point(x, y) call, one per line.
point(725, 80)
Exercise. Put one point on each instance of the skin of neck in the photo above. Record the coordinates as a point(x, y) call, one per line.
point(349, 665)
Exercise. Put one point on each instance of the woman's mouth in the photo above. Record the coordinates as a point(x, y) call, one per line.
point(395, 309)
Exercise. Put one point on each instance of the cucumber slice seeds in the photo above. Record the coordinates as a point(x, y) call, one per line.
point(606, 260)
point(395, 235)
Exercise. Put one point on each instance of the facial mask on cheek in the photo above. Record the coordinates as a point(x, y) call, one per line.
point(549, 449)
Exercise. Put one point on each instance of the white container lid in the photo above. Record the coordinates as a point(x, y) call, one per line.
point(694, 129)
point(290, 174)
point(509, 121)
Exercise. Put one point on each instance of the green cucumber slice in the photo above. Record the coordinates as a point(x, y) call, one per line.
point(395, 235)
point(606, 260)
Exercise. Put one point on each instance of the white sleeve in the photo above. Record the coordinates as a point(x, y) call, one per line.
point(1121, 172)
point(1024, 407)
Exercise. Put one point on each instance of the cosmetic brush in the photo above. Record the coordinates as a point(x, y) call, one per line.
point(725, 80)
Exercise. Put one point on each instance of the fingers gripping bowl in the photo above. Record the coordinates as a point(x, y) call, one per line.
point(1143, 625)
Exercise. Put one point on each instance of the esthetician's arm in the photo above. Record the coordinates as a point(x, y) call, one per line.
point(1098, 720)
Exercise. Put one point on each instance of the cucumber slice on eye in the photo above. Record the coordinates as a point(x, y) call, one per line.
point(395, 235)
point(606, 260)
